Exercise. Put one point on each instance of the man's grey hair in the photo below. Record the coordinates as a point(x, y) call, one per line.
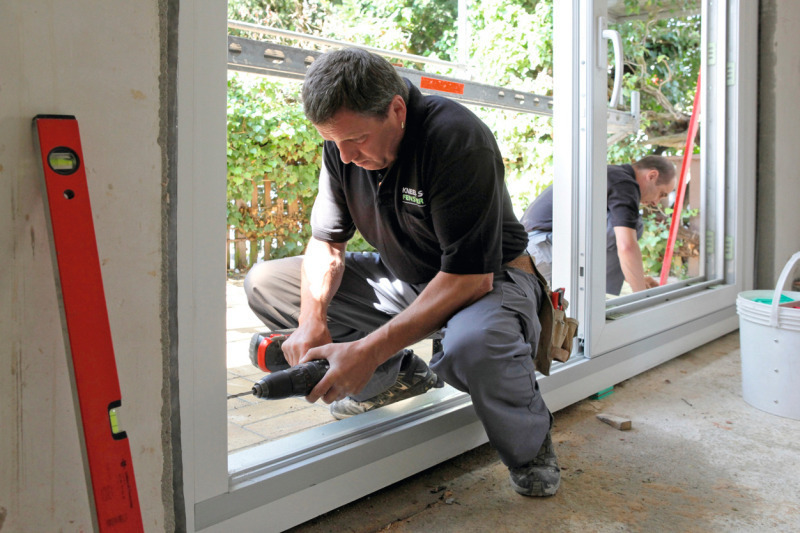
point(351, 79)
point(665, 168)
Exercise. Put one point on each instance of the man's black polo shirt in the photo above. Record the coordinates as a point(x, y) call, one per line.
point(442, 206)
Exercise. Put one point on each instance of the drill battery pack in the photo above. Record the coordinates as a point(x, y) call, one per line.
point(266, 353)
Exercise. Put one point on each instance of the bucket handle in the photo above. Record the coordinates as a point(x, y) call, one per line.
point(776, 297)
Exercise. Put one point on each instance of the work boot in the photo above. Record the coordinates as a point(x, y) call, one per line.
point(415, 378)
point(540, 477)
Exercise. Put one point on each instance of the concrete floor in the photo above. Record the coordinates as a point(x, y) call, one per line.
point(697, 459)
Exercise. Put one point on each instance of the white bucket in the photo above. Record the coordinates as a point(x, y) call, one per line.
point(769, 335)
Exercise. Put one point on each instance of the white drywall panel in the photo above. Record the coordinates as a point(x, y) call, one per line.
point(99, 61)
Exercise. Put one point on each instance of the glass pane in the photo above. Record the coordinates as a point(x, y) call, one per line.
point(662, 48)
point(671, 49)
point(274, 158)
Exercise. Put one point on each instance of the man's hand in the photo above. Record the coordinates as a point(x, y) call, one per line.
point(351, 367)
point(307, 335)
point(650, 282)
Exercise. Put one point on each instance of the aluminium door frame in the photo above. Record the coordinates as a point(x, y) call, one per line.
point(292, 492)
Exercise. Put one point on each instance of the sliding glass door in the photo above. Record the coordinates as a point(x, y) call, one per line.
point(277, 485)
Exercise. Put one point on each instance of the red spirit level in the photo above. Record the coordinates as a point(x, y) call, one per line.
point(87, 333)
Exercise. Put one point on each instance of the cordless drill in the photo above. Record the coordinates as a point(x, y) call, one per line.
point(282, 380)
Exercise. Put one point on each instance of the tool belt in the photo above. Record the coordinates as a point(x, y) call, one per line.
point(558, 330)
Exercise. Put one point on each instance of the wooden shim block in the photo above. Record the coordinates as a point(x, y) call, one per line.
point(615, 421)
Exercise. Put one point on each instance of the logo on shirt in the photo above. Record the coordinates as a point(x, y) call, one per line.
point(413, 196)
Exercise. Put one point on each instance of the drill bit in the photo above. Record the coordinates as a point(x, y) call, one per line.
point(239, 395)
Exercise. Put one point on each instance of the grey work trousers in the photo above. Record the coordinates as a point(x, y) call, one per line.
point(487, 346)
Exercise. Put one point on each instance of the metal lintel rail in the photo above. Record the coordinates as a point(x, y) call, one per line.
point(271, 59)
point(285, 61)
point(287, 34)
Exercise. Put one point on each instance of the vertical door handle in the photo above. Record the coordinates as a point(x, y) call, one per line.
point(619, 61)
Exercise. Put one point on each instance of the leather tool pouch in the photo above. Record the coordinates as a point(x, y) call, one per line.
point(558, 330)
